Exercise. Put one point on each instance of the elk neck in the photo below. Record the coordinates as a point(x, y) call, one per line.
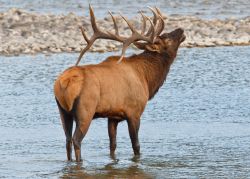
point(152, 68)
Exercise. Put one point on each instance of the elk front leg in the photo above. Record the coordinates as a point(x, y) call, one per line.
point(67, 123)
point(133, 127)
point(112, 130)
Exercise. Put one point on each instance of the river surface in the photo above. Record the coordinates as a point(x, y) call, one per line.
point(197, 126)
point(208, 9)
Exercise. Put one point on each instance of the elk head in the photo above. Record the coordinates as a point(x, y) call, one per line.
point(166, 43)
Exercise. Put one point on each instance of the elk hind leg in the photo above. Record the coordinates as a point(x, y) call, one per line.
point(67, 123)
point(83, 120)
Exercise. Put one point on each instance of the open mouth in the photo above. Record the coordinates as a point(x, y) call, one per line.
point(183, 37)
point(180, 34)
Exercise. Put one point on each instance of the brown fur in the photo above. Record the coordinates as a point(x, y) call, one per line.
point(117, 91)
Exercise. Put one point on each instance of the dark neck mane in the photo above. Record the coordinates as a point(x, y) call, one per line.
point(153, 68)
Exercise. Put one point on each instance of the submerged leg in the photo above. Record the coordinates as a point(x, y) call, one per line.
point(67, 123)
point(112, 128)
point(133, 127)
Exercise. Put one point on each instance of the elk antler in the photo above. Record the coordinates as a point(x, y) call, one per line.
point(154, 31)
point(157, 15)
point(97, 34)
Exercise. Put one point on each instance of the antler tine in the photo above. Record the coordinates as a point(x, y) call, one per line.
point(154, 20)
point(161, 25)
point(155, 15)
point(151, 30)
point(115, 24)
point(92, 19)
point(129, 24)
point(144, 23)
point(83, 34)
point(83, 51)
point(122, 55)
point(159, 12)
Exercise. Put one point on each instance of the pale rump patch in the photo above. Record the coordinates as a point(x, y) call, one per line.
point(68, 87)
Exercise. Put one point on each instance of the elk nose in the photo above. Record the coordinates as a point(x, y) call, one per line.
point(180, 31)
point(177, 32)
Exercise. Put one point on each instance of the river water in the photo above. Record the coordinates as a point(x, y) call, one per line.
point(197, 126)
point(208, 9)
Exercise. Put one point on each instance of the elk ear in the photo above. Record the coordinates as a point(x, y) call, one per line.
point(153, 48)
point(147, 46)
point(140, 45)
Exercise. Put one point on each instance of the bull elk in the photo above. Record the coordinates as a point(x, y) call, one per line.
point(119, 87)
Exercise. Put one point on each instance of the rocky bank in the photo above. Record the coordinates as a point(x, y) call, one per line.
point(23, 32)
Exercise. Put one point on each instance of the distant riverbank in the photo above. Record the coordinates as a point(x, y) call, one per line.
point(24, 32)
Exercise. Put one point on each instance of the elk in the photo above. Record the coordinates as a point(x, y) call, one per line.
point(119, 87)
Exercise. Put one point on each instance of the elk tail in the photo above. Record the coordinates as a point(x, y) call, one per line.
point(67, 87)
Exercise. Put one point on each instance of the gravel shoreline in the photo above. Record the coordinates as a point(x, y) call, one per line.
point(23, 32)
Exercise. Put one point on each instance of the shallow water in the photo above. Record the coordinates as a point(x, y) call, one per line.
point(202, 8)
point(197, 126)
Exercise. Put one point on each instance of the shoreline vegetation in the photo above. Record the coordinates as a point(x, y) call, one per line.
point(23, 32)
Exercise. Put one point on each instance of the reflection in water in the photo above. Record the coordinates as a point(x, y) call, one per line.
point(77, 170)
point(72, 170)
